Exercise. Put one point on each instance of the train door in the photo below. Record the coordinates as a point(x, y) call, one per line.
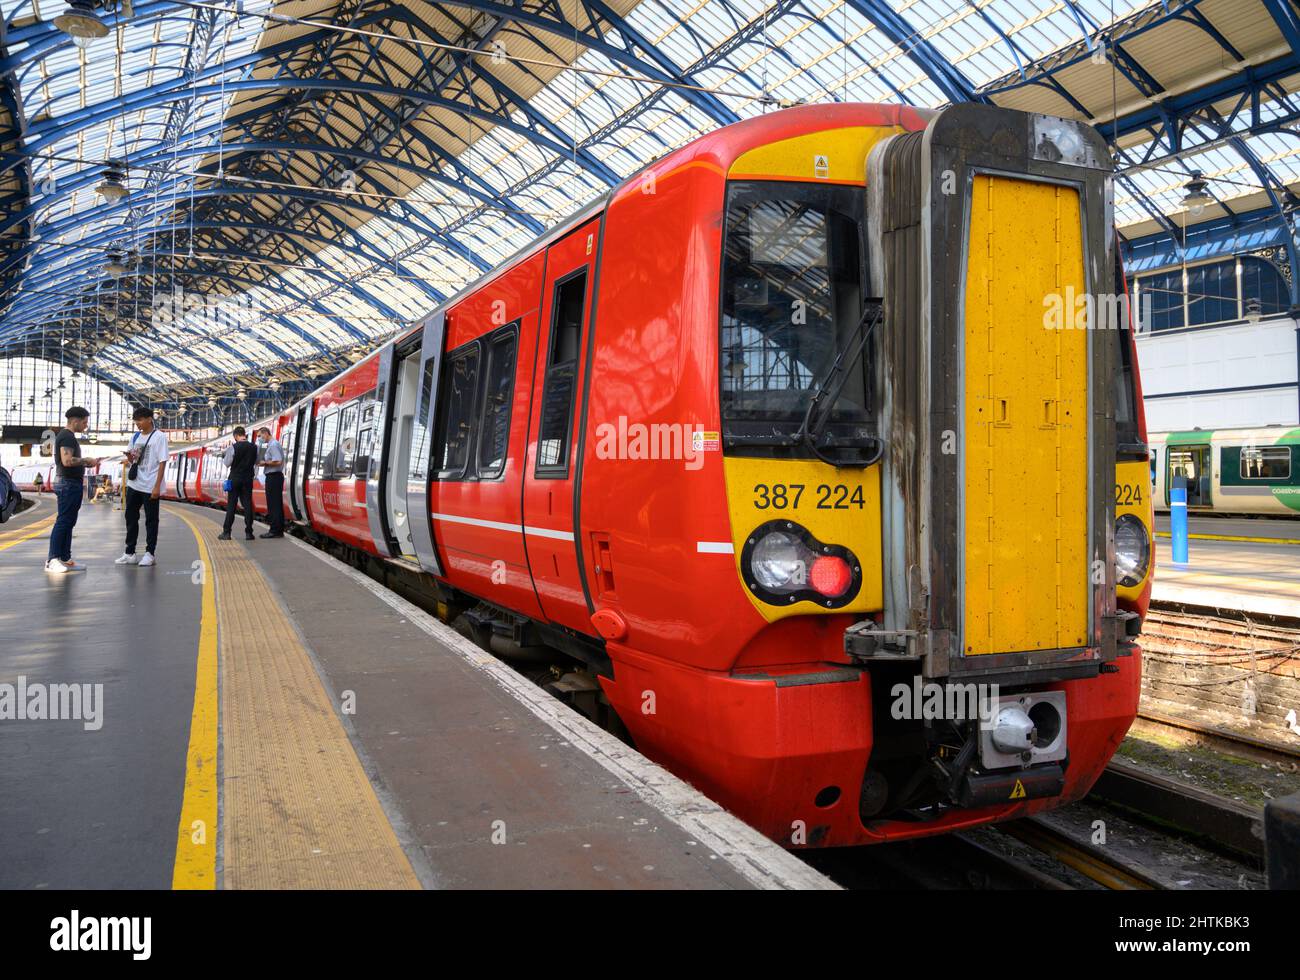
point(298, 463)
point(396, 458)
point(1193, 464)
point(287, 437)
point(554, 553)
point(379, 453)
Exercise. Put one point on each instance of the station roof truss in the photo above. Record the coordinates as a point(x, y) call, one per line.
point(303, 179)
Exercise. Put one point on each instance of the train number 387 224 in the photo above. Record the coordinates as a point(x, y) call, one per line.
point(786, 496)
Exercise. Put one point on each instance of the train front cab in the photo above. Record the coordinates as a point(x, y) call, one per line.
point(942, 519)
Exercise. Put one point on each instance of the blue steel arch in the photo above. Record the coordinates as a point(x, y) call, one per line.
point(223, 274)
point(105, 238)
point(91, 216)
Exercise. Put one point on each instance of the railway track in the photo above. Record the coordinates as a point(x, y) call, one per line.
point(1224, 823)
point(956, 861)
point(1273, 750)
point(1029, 853)
point(1085, 858)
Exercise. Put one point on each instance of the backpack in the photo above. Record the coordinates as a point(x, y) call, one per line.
point(10, 498)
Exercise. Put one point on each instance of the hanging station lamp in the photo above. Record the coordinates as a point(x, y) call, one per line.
point(81, 22)
point(113, 186)
point(1196, 199)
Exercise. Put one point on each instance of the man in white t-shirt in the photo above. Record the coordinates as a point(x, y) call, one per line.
point(148, 454)
point(271, 459)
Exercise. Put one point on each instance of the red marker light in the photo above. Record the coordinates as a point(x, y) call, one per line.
point(830, 576)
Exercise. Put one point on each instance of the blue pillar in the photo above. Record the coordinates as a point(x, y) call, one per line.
point(1178, 523)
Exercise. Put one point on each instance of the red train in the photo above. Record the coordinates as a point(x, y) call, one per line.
point(777, 440)
point(25, 474)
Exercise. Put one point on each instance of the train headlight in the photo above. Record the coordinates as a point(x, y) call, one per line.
point(1132, 551)
point(783, 563)
point(780, 561)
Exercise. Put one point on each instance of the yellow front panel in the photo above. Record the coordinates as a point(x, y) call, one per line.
point(838, 156)
point(1133, 496)
point(839, 506)
point(1026, 437)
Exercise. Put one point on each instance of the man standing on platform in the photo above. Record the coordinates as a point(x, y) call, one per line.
point(272, 463)
point(146, 455)
point(241, 462)
point(69, 480)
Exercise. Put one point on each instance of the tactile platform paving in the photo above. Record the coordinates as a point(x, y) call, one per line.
point(299, 810)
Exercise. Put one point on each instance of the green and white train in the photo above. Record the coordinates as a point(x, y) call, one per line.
point(1230, 471)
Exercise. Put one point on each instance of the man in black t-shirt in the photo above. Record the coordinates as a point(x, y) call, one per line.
point(240, 459)
point(69, 489)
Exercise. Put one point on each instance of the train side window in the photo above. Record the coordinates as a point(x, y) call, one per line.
point(456, 429)
point(365, 425)
point(559, 387)
point(361, 465)
point(498, 391)
point(1266, 463)
point(347, 443)
point(326, 442)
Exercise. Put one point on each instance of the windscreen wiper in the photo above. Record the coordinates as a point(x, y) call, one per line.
point(813, 425)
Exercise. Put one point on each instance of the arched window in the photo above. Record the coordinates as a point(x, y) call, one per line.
point(1162, 300)
point(1215, 292)
point(34, 391)
point(1260, 279)
point(1212, 293)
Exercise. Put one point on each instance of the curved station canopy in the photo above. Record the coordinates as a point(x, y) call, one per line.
point(211, 201)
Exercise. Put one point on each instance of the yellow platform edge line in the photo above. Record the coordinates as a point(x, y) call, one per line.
point(1232, 537)
point(44, 525)
point(196, 834)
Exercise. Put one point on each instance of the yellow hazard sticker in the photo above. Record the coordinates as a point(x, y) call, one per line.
point(1018, 792)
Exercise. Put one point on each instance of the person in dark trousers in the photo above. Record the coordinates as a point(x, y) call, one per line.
point(241, 462)
point(69, 483)
point(146, 456)
point(271, 459)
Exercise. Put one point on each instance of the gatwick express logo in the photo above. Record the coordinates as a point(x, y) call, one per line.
point(102, 933)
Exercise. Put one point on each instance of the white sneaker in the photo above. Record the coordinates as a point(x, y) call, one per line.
point(128, 560)
point(56, 566)
point(147, 560)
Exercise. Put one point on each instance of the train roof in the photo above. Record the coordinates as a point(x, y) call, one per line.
point(1261, 433)
point(725, 145)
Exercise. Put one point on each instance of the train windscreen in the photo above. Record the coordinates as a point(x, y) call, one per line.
point(793, 269)
point(1128, 436)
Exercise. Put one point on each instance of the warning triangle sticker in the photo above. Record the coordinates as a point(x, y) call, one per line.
point(1018, 793)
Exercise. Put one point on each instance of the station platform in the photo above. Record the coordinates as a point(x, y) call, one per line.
point(1238, 564)
point(40, 512)
point(255, 714)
